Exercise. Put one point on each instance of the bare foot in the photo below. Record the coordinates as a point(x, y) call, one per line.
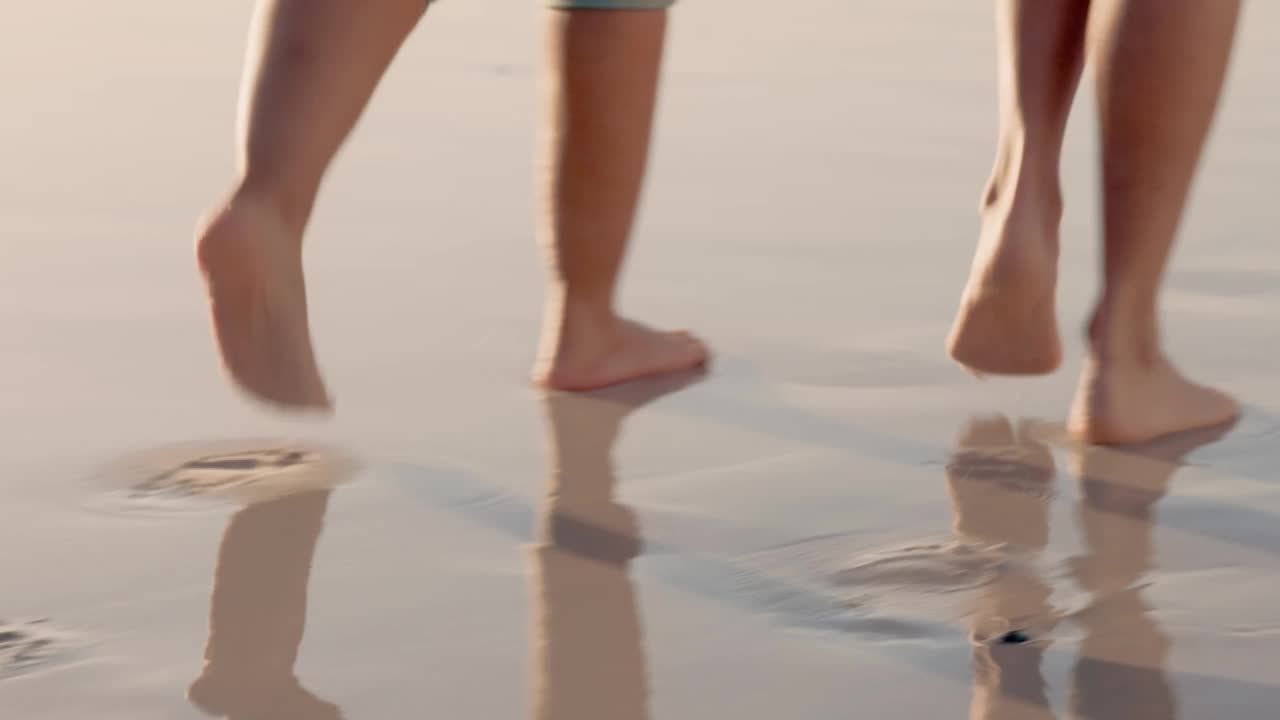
point(252, 266)
point(1006, 324)
point(581, 356)
point(1124, 403)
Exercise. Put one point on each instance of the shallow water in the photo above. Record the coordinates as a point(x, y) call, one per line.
point(835, 521)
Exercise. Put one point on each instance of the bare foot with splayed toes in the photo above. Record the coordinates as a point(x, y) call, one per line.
point(1121, 403)
point(1006, 324)
point(252, 266)
point(580, 356)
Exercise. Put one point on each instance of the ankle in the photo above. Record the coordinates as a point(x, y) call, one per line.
point(577, 310)
point(1022, 196)
point(1025, 178)
point(1125, 336)
point(570, 320)
point(241, 228)
point(287, 205)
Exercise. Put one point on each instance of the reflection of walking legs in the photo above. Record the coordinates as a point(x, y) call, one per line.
point(1122, 666)
point(999, 482)
point(258, 612)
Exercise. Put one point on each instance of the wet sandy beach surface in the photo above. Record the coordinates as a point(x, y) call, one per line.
point(834, 522)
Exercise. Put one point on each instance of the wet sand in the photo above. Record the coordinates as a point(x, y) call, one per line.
point(834, 522)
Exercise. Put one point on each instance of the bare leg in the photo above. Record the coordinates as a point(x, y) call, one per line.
point(604, 66)
point(1006, 323)
point(311, 68)
point(1160, 65)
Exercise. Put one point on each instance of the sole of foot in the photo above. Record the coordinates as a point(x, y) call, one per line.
point(1007, 322)
point(619, 353)
point(252, 267)
point(1130, 405)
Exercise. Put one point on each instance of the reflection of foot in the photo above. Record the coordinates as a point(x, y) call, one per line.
point(1001, 481)
point(1119, 489)
point(1006, 323)
point(586, 354)
point(580, 514)
point(1123, 403)
point(582, 427)
point(1008, 683)
point(228, 698)
point(252, 265)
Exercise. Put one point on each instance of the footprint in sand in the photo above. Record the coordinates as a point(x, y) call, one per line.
point(243, 472)
point(25, 646)
point(927, 568)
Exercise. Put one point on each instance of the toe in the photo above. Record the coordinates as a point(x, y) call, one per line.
point(698, 350)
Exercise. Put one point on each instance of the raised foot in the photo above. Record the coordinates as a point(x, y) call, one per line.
point(998, 333)
point(252, 266)
point(617, 353)
point(1121, 405)
point(1006, 324)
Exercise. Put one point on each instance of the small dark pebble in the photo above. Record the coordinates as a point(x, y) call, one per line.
point(1015, 637)
point(291, 458)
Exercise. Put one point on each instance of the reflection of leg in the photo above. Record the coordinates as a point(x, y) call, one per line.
point(1119, 490)
point(999, 482)
point(258, 611)
point(311, 68)
point(1121, 671)
point(1008, 683)
point(1161, 65)
point(605, 65)
point(589, 658)
point(582, 430)
point(1007, 322)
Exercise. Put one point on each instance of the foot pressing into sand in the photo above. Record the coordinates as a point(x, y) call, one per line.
point(586, 351)
point(252, 265)
point(1123, 402)
point(1129, 392)
point(603, 77)
point(1160, 71)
